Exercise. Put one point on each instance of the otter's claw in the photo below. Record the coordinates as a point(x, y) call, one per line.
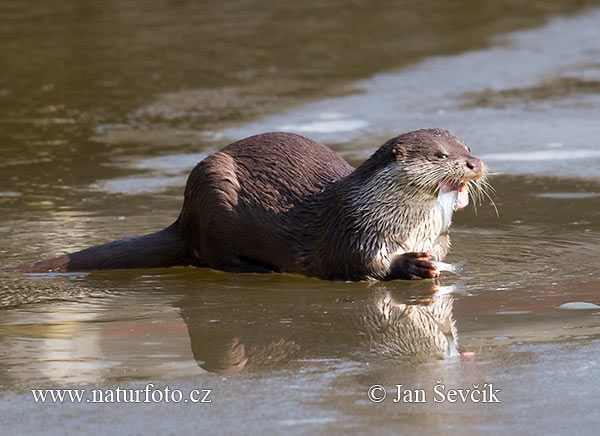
point(413, 266)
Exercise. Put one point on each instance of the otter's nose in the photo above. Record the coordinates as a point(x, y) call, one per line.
point(474, 164)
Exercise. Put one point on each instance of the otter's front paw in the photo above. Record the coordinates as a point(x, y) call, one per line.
point(412, 266)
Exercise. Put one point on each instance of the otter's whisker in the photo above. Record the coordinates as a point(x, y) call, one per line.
point(474, 194)
point(484, 189)
point(492, 202)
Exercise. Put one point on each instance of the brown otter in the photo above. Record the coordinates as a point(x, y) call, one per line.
point(282, 202)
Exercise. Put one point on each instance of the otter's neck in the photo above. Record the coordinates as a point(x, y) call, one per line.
point(370, 216)
point(391, 206)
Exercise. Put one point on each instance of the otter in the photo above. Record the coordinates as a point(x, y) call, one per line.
point(280, 202)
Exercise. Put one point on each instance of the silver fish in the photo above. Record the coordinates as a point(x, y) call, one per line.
point(454, 268)
point(447, 203)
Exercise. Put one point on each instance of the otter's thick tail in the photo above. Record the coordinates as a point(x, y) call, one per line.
point(160, 249)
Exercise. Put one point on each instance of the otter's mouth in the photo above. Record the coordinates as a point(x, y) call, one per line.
point(462, 197)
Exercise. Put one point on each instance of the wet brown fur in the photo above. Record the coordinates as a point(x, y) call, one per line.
point(282, 202)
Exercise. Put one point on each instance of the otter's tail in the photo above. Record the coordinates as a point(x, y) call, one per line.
point(160, 249)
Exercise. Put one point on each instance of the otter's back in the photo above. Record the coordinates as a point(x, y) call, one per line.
point(242, 197)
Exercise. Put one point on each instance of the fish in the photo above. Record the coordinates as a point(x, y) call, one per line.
point(450, 199)
point(454, 268)
point(447, 202)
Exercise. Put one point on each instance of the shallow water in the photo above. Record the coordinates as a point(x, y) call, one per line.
point(107, 109)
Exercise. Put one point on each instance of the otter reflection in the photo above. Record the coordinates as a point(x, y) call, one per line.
point(378, 326)
point(397, 330)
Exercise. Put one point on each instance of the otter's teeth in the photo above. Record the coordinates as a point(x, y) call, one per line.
point(462, 200)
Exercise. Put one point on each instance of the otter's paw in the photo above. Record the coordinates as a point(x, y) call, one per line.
point(412, 266)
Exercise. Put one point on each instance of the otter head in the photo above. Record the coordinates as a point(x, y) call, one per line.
point(433, 161)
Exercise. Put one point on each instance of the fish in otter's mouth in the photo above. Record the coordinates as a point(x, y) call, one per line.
point(452, 196)
point(453, 189)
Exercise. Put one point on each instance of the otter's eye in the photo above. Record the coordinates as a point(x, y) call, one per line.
point(441, 155)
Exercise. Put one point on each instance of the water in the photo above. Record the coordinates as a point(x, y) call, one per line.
point(105, 111)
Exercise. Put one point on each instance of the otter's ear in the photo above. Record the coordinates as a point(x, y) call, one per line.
point(399, 150)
